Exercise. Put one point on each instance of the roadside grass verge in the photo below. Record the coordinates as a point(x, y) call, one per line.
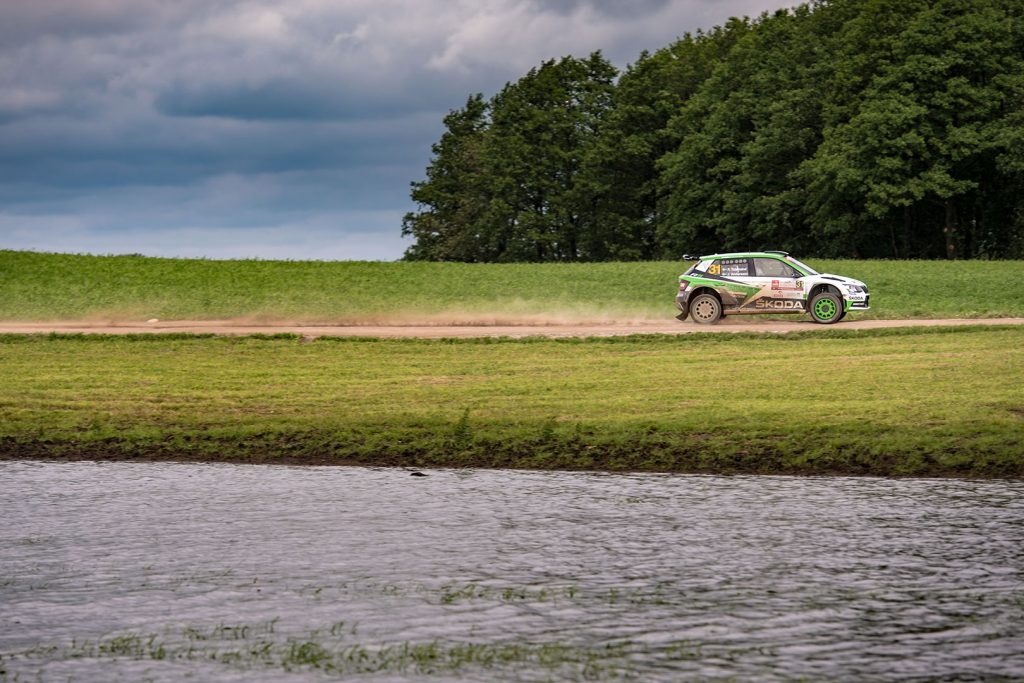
point(942, 402)
point(41, 287)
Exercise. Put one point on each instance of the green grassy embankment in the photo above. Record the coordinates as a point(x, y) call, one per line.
point(42, 287)
point(884, 402)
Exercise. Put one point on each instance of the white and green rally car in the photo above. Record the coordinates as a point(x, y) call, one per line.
point(765, 282)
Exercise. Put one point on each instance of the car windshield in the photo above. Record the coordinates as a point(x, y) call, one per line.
point(803, 266)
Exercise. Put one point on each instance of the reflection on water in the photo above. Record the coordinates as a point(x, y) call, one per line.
point(122, 571)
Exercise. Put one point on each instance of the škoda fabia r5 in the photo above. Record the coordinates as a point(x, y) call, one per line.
point(765, 282)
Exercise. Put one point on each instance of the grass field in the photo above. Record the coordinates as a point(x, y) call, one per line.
point(39, 287)
point(887, 402)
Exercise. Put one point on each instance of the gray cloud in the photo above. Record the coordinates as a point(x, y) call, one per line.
point(279, 99)
point(611, 8)
point(271, 100)
point(27, 22)
point(238, 118)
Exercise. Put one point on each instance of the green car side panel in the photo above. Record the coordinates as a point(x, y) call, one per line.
point(729, 292)
point(719, 284)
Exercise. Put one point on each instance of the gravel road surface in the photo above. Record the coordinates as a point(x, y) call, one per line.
point(438, 331)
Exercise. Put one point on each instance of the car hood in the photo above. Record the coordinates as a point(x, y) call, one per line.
point(842, 280)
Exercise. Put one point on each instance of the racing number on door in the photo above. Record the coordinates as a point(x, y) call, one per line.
point(715, 269)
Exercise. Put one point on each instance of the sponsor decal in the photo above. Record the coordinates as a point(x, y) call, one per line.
point(779, 304)
point(787, 285)
point(734, 267)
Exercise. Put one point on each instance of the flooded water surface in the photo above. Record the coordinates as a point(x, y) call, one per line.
point(162, 572)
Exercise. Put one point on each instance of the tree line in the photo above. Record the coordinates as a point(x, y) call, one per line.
point(840, 128)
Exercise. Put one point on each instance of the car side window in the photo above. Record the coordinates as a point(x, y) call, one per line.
point(769, 267)
point(733, 267)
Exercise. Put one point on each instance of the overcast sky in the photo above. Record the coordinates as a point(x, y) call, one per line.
point(249, 128)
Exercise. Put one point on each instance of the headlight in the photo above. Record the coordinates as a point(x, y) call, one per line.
point(852, 289)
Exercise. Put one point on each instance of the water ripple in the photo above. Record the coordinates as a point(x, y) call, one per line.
point(121, 571)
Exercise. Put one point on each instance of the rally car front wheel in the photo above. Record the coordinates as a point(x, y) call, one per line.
point(826, 308)
point(705, 309)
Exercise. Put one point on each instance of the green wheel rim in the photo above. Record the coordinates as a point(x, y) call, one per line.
point(825, 309)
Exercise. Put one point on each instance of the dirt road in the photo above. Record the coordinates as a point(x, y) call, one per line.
point(438, 331)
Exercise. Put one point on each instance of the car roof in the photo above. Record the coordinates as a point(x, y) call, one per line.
point(748, 254)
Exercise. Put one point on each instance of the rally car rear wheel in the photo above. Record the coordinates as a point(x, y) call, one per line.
point(705, 309)
point(826, 308)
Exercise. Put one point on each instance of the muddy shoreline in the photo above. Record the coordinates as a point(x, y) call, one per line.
point(652, 456)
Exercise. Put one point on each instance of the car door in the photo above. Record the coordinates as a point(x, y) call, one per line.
point(733, 275)
point(781, 286)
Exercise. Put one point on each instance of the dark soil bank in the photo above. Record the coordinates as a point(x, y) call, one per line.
point(653, 454)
